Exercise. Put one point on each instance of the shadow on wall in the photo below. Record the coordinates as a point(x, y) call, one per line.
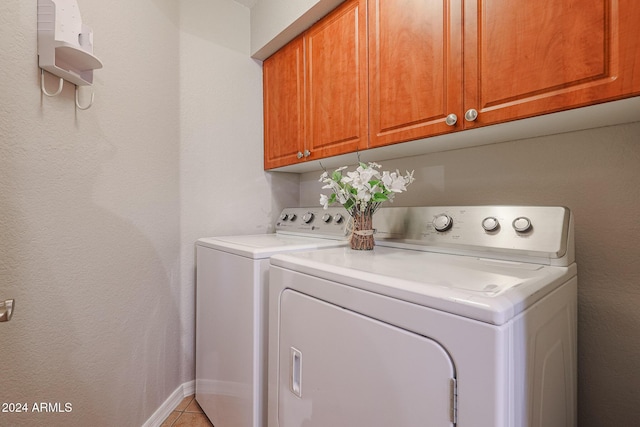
point(96, 323)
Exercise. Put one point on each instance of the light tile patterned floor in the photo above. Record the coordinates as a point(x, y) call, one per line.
point(187, 414)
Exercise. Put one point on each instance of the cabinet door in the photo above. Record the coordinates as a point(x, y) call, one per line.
point(525, 58)
point(415, 68)
point(336, 82)
point(283, 80)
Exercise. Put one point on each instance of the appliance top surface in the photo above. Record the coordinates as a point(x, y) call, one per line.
point(488, 290)
point(259, 246)
point(296, 229)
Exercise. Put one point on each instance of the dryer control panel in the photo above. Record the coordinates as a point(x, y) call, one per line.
point(538, 234)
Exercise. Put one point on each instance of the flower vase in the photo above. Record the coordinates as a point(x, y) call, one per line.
point(362, 233)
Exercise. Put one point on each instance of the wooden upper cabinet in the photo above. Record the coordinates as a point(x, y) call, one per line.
point(415, 68)
point(336, 82)
point(379, 72)
point(283, 87)
point(524, 58)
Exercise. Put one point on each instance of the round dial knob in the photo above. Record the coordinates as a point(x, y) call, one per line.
point(326, 218)
point(338, 218)
point(284, 217)
point(522, 224)
point(442, 222)
point(307, 218)
point(292, 217)
point(490, 224)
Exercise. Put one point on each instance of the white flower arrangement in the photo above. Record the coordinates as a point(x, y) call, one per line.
point(363, 190)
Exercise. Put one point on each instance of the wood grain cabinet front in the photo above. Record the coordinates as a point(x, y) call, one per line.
point(438, 67)
point(315, 91)
point(524, 58)
point(283, 97)
point(336, 82)
point(379, 72)
point(415, 69)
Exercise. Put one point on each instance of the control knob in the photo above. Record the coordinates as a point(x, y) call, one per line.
point(490, 223)
point(522, 224)
point(442, 222)
point(326, 218)
point(284, 216)
point(338, 218)
point(307, 218)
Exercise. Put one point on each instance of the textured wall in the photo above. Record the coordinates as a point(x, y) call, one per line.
point(596, 174)
point(89, 221)
point(99, 209)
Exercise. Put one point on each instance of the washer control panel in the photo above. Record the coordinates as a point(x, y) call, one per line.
point(315, 221)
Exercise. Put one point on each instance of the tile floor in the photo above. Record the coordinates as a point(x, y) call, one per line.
point(187, 414)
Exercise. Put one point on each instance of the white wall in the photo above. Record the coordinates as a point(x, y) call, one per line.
point(223, 187)
point(274, 23)
point(596, 174)
point(89, 221)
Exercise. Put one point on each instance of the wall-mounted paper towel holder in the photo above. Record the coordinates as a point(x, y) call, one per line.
point(65, 45)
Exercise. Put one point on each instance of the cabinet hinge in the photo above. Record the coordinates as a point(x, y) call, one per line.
point(453, 411)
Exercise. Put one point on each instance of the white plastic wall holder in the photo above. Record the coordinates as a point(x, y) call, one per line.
point(65, 44)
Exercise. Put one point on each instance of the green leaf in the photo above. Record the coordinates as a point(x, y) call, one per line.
point(379, 197)
point(336, 176)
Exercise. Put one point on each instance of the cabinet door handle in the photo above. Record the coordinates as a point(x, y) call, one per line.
point(299, 155)
point(307, 153)
point(471, 115)
point(451, 119)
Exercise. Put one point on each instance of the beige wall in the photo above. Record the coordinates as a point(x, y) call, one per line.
point(99, 209)
point(89, 220)
point(596, 173)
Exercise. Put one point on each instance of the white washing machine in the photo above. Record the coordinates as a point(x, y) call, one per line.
point(231, 301)
point(467, 319)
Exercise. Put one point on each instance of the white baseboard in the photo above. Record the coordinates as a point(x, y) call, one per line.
point(161, 414)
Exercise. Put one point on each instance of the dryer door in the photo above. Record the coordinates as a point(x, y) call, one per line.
point(342, 369)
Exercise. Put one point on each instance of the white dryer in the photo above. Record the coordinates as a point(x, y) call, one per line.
point(469, 319)
point(231, 319)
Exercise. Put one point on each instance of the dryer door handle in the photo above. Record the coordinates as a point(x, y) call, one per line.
point(295, 379)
